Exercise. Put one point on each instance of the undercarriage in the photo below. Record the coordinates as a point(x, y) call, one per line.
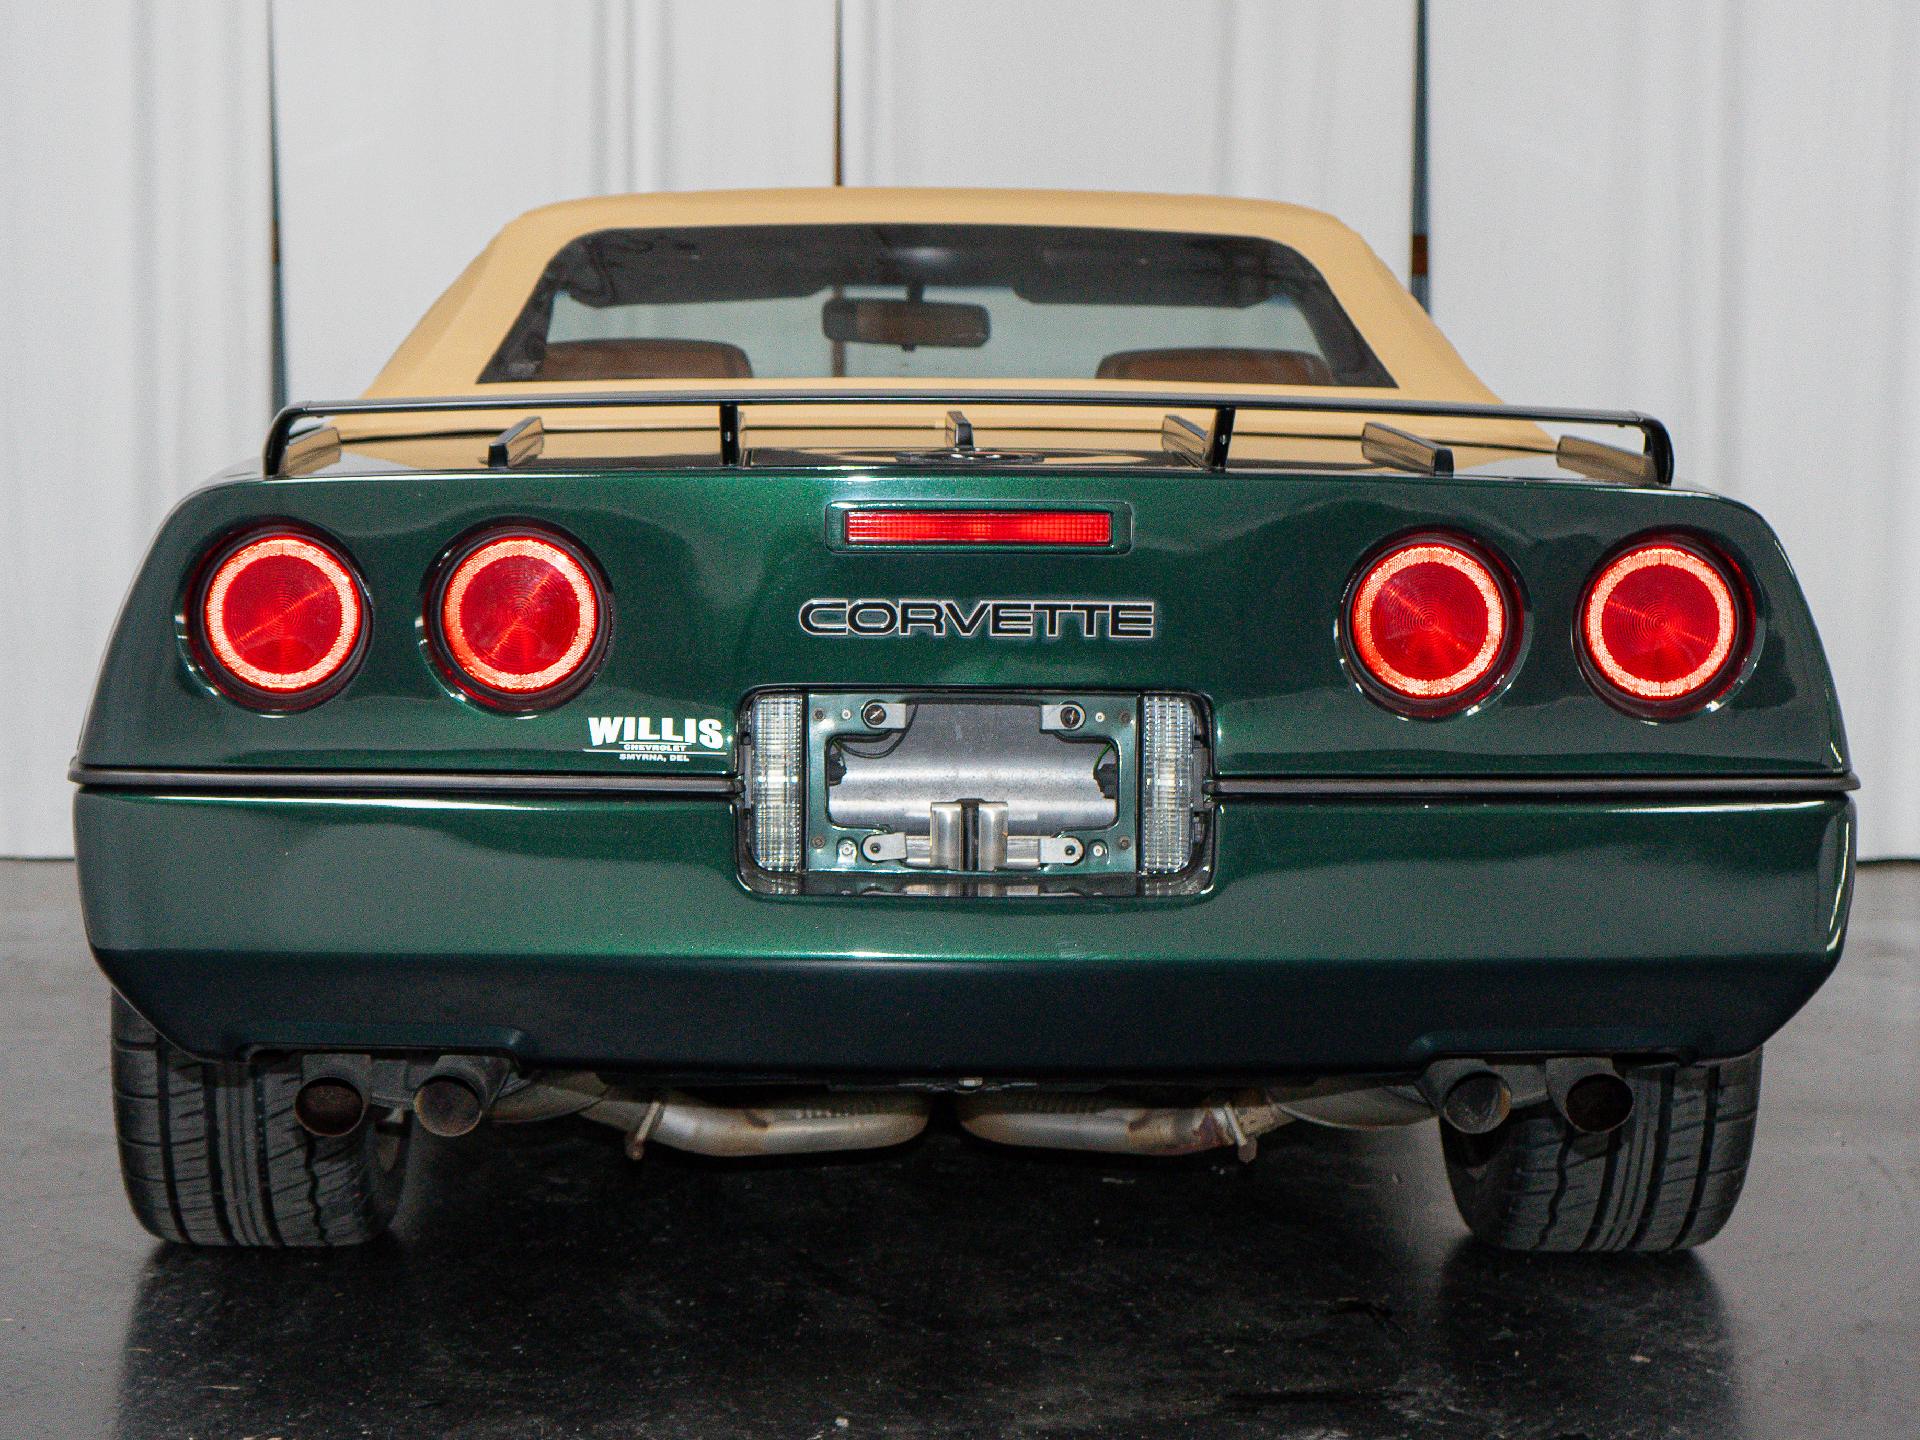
point(452, 1094)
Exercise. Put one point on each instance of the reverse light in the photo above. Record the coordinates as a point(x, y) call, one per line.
point(520, 618)
point(1169, 779)
point(1090, 529)
point(279, 621)
point(1663, 626)
point(774, 772)
point(1432, 626)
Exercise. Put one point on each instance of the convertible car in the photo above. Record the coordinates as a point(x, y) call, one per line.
point(769, 670)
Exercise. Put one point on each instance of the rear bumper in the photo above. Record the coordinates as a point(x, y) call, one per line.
point(1337, 936)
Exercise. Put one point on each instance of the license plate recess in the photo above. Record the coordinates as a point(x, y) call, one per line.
point(917, 783)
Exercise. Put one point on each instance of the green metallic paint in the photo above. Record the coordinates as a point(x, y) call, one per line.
point(708, 570)
point(1354, 935)
point(1335, 936)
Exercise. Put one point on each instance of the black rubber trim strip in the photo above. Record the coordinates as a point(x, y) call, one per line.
point(1268, 787)
point(1496, 787)
point(395, 782)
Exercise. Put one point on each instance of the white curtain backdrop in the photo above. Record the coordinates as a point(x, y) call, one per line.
point(1302, 100)
point(135, 280)
point(1705, 209)
point(1711, 210)
point(409, 134)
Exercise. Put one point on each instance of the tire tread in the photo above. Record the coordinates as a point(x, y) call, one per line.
point(1666, 1180)
point(212, 1155)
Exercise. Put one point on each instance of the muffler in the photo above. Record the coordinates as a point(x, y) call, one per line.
point(1061, 1121)
point(810, 1126)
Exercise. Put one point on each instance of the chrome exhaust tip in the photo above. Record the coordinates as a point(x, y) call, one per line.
point(448, 1106)
point(1590, 1095)
point(329, 1106)
point(1478, 1103)
point(1472, 1096)
point(457, 1093)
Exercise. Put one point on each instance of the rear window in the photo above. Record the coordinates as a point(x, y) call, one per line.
point(936, 301)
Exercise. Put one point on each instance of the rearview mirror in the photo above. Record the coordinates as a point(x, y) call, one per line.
point(906, 323)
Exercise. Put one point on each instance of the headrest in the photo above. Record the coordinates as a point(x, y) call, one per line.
point(1221, 364)
point(643, 360)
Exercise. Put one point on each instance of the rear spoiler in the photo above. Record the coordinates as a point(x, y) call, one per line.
point(1652, 464)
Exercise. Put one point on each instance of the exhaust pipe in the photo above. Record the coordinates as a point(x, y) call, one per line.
point(1476, 1097)
point(1478, 1103)
point(457, 1093)
point(1371, 1107)
point(848, 1122)
point(812, 1126)
point(1590, 1095)
point(1093, 1122)
point(329, 1106)
point(1469, 1095)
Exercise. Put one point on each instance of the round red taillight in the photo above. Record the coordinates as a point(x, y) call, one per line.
point(280, 620)
point(520, 618)
point(1431, 625)
point(1663, 625)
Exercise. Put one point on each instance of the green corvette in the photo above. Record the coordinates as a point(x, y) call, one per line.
point(764, 670)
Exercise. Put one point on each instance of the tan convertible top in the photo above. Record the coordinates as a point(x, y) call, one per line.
point(1055, 419)
point(452, 344)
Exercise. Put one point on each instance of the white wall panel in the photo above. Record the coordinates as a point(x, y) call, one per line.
point(409, 134)
point(135, 276)
point(1711, 211)
point(1707, 209)
point(1302, 100)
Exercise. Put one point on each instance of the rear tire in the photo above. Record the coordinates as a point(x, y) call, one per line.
point(212, 1155)
point(1666, 1180)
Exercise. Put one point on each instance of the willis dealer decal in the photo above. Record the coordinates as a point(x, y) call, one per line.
point(672, 738)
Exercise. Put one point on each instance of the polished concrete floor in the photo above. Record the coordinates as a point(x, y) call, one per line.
point(539, 1284)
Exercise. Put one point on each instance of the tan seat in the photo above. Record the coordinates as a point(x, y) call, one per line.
point(1220, 364)
point(644, 360)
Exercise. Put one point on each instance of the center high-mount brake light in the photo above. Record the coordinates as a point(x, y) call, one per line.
point(1663, 627)
point(279, 621)
point(1432, 626)
point(1092, 529)
point(520, 619)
